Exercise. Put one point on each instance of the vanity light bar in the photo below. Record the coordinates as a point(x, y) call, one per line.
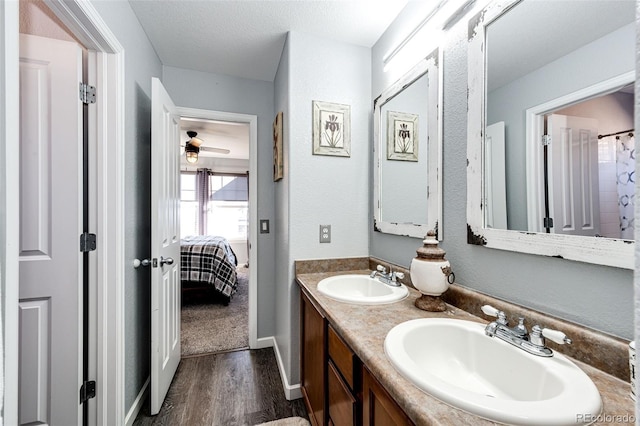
point(459, 13)
point(389, 56)
point(450, 20)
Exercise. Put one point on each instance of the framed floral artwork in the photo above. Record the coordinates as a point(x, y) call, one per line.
point(402, 136)
point(278, 167)
point(331, 129)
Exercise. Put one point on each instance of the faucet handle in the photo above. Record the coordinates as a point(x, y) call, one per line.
point(556, 336)
point(493, 312)
point(382, 269)
point(399, 275)
point(490, 310)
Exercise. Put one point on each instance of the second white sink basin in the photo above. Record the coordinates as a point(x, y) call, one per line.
point(457, 363)
point(361, 289)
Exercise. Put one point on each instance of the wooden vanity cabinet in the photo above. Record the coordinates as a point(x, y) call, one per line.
point(337, 388)
point(378, 407)
point(313, 362)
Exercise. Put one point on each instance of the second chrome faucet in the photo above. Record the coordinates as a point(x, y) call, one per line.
point(390, 279)
point(533, 343)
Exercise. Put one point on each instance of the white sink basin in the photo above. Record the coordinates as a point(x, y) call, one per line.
point(454, 361)
point(361, 289)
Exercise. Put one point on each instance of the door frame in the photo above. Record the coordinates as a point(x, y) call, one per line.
point(252, 120)
point(106, 205)
point(9, 201)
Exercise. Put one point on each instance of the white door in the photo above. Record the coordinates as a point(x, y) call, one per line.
point(495, 172)
point(574, 189)
point(165, 243)
point(50, 305)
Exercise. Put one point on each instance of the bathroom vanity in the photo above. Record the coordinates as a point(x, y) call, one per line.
point(348, 380)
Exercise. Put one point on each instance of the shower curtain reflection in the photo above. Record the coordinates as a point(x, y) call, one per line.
point(625, 171)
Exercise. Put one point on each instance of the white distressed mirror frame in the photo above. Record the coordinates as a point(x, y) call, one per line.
point(430, 67)
point(602, 251)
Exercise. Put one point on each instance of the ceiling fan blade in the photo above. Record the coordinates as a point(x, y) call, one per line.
point(193, 139)
point(218, 150)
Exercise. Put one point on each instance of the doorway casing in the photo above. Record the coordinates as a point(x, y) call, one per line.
point(106, 206)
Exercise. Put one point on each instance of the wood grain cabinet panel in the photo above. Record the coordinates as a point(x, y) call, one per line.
point(344, 359)
point(313, 360)
point(342, 404)
point(378, 407)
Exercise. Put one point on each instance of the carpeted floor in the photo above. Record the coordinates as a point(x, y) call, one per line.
point(212, 327)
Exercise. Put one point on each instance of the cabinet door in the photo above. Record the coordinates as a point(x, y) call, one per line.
point(314, 360)
point(342, 404)
point(378, 408)
point(345, 361)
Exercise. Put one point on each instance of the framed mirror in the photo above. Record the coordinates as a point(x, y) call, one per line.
point(551, 148)
point(407, 140)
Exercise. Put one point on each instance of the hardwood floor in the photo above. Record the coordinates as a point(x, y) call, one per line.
point(232, 388)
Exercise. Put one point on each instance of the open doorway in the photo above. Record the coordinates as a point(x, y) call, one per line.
point(214, 219)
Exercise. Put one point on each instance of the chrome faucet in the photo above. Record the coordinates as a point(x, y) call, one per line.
point(390, 279)
point(533, 343)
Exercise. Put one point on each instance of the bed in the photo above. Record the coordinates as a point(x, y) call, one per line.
point(208, 263)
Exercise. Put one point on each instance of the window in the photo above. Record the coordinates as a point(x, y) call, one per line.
point(189, 218)
point(228, 206)
point(224, 211)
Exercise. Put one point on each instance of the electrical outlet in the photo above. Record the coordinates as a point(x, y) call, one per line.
point(325, 233)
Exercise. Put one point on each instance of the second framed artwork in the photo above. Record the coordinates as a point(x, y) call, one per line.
point(331, 129)
point(278, 166)
point(402, 136)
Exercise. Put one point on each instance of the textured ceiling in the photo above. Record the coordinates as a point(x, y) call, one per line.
point(244, 38)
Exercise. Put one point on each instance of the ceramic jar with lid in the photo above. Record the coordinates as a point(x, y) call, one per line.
point(431, 274)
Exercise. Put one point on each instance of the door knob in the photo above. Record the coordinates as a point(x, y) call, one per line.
point(165, 261)
point(144, 262)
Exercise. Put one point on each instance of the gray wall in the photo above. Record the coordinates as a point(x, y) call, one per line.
point(614, 55)
point(201, 90)
point(283, 291)
point(596, 296)
point(141, 63)
point(319, 189)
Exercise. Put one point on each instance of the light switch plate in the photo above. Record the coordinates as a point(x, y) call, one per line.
point(264, 226)
point(325, 233)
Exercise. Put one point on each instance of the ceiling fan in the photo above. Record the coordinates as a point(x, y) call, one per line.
point(193, 146)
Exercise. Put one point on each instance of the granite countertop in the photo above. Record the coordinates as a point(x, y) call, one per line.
point(364, 328)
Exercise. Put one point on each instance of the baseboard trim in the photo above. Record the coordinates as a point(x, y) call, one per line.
point(137, 404)
point(264, 342)
point(290, 391)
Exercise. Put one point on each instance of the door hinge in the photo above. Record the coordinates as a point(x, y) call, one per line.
point(546, 140)
point(87, 94)
point(548, 222)
point(87, 242)
point(87, 391)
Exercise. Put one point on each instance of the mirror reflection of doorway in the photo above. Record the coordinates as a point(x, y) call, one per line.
point(588, 167)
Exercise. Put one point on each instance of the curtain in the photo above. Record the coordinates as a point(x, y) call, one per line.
point(625, 171)
point(202, 194)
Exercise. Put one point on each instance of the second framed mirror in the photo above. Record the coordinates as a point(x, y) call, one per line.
point(407, 142)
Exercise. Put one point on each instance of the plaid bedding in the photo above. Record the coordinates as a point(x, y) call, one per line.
point(211, 260)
